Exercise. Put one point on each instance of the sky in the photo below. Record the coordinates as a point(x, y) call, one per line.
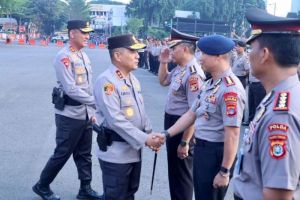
point(279, 7)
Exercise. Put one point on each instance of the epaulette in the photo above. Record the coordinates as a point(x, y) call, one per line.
point(193, 69)
point(229, 81)
point(119, 74)
point(282, 102)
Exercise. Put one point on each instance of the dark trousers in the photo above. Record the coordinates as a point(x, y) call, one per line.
point(208, 158)
point(243, 80)
point(120, 181)
point(180, 171)
point(73, 136)
point(256, 94)
point(141, 59)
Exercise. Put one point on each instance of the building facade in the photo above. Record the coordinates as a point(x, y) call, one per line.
point(106, 16)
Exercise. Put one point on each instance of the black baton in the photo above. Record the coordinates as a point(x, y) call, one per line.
point(153, 172)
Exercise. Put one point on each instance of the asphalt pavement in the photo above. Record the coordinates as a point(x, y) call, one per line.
point(27, 130)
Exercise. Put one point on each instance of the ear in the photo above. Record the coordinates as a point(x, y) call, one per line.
point(117, 56)
point(72, 33)
point(265, 55)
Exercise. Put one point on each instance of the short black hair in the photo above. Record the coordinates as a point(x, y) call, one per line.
point(285, 48)
point(190, 46)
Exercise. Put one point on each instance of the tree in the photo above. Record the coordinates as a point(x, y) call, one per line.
point(48, 15)
point(79, 10)
point(134, 25)
point(231, 11)
point(10, 7)
point(154, 12)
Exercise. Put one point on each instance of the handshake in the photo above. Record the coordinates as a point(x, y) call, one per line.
point(155, 141)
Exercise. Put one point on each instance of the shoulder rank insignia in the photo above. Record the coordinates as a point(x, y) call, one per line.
point(229, 81)
point(72, 49)
point(119, 74)
point(282, 102)
point(193, 69)
point(278, 146)
point(109, 88)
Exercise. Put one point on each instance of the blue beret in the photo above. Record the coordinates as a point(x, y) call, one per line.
point(215, 45)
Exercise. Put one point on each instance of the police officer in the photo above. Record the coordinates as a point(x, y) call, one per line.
point(217, 113)
point(120, 109)
point(240, 65)
point(184, 83)
point(73, 119)
point(269, 167)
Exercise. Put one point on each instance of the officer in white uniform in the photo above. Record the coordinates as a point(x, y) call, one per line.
point(121, 111)
point(184, 82)
point(217, 113)
point(268, 167)
point(73, 117)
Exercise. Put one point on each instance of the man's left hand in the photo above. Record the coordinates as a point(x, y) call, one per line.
point(183, 151)
point(220, 181)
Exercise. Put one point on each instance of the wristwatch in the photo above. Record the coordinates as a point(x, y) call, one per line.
point(183, 143)
point(224, 170)
point(166, 133)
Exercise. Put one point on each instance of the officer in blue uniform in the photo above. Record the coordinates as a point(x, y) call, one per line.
point(217, 113)
point(268, 166)
point(74, 113)
point(184, 82)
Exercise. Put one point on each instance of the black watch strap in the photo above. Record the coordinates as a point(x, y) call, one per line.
point(224, 170)
point(166, 133)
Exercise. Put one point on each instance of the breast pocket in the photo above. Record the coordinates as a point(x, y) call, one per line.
point(176, 85)
point(80, 75)
point(210, 108)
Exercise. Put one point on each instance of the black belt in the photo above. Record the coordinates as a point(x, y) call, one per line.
point(71, 102)
point(205, 143)
point(236, 197)
point(113, 136)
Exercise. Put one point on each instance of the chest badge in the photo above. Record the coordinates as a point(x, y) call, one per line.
point(260, 113)
point(129, 112)
point(206, 116)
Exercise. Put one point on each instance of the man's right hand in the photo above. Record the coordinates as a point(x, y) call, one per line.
point(155, 140)
point(164, 56)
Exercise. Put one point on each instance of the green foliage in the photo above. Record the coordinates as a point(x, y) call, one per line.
point(134, 25)
point(10, 7)
point(157, 12)
point(157, 33)
point(154, 12)
point(78, 10)
point(48, 15)
point(108, 2)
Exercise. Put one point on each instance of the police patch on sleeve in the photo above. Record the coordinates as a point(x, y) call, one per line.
point(66, 62)
point(230, 100)
point(278, 127)
point(278, 146)
point(193, 82)
point(109, 88)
